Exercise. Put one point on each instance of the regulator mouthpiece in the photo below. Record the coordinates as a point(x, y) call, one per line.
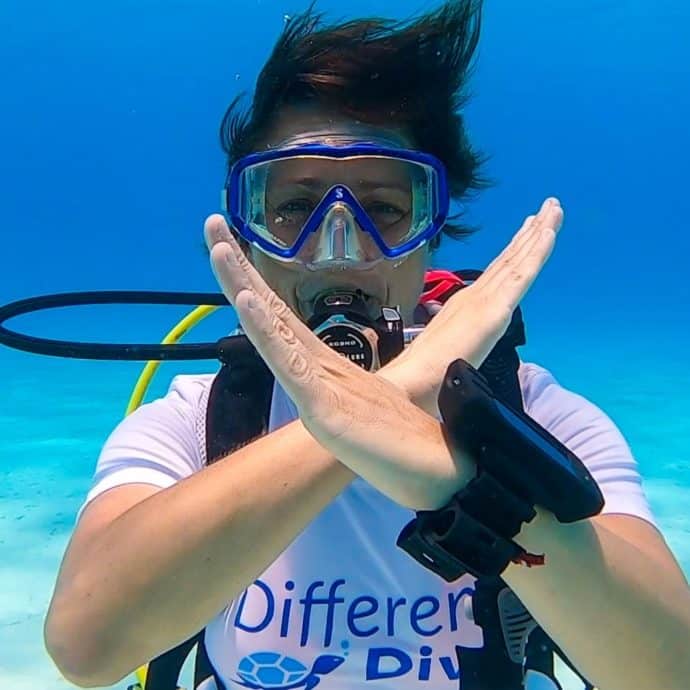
point(341, 320)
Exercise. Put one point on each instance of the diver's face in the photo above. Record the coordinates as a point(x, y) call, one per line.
point(390, 282)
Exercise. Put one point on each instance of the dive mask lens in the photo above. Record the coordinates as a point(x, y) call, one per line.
point(318, 205)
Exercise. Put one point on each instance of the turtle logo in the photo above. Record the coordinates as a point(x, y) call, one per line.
point(273, 671)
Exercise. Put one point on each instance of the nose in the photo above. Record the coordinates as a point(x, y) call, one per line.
point(339, 237)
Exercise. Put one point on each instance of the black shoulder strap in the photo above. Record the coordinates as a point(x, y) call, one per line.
point(492, 665)
point(239, 403)
point(237, 413)
point(511, 635)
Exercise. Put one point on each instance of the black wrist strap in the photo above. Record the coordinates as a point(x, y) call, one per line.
point(472, 533)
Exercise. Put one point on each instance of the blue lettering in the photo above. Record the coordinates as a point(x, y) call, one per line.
point(452, 672)
point(416, 615)
point(258, 606)
point(376, 654)
point(353, 614)
point(453, 601)
point(285, 618)
point(306, 616)
point(425, 663)
point(330, 601)
point(270, 606)
point(390, 618)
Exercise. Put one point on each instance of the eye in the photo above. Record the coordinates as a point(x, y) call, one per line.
point(384, 212)
point(295, 207)
point(291, 214)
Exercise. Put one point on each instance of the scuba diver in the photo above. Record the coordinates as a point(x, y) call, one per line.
point(323, 510)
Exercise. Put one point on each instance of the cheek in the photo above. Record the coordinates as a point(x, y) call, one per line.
point(407, 280)
point(406, 284)
point(281, 280)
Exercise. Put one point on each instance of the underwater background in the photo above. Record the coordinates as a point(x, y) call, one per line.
point(109, 164)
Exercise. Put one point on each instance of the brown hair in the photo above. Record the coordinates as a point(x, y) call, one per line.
point(408, 75)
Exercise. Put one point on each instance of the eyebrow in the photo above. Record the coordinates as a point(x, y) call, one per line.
point(315, 183)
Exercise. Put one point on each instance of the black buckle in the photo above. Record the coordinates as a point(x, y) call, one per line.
point(471, 534)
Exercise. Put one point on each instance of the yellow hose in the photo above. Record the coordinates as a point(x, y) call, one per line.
point(180, 329)
point(141, 386)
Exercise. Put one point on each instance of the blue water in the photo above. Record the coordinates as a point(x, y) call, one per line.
point(109, 164)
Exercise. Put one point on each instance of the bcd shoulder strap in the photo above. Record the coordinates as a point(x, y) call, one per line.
point(237, 413)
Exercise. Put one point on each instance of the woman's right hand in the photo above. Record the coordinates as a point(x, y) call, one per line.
point(474, 319)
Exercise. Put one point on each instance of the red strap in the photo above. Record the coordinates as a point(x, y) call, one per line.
point(442, 282)
point(529, 559)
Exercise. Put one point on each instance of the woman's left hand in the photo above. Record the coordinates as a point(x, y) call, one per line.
point(472, 321)
point(364, 420)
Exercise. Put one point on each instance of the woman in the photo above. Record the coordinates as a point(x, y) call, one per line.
point(286, 547)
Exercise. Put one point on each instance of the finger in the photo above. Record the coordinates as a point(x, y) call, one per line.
point(229, 271)
point(518, 239)
point(236, 275)
point(292, 363)
point(525, 270)
point(520, 271)
point(223, 246)
point(550, 215)
point(523, 235)
point(550, 221)
point(484, 284)
point(229, 263)
point(216, 230)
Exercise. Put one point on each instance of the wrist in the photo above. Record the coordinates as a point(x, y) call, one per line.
point(417, 389)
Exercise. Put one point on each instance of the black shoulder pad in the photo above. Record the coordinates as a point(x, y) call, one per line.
point(239, 401)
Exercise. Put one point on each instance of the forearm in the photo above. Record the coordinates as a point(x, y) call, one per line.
point(622, 620)
point(180, 555)
point(158, 573)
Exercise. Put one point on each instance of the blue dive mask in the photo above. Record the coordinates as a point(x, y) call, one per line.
point(343, 203)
